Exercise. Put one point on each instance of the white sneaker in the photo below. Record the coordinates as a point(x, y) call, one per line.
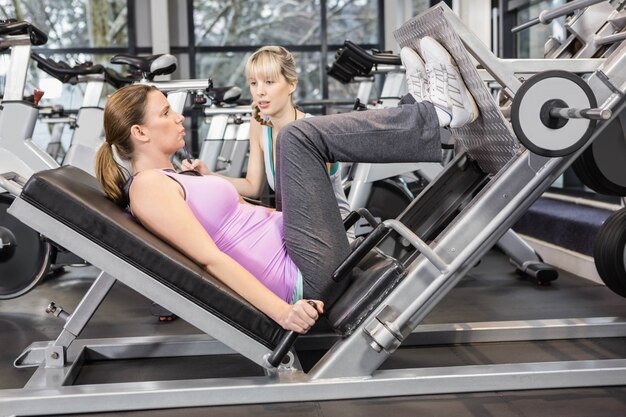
point(415, 71)
point(454, 104)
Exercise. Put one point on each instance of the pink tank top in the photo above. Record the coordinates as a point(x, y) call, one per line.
point(251, 235)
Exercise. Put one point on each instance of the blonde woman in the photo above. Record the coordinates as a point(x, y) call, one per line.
point(272, 77)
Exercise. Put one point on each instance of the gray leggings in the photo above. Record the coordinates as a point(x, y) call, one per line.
point(313, 229)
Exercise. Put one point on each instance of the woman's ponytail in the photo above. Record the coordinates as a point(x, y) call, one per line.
point(110, 174)
point(256, 114)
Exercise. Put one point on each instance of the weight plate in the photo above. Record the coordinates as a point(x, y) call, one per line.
point(526, 113)
point(30, 262)
point(601, 165)
point(609, 252)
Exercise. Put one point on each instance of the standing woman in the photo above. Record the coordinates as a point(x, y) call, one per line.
point(272, 77)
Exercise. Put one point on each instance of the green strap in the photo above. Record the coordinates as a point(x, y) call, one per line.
point(271, 151)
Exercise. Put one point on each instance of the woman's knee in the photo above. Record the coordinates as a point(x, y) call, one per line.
point(295, 137)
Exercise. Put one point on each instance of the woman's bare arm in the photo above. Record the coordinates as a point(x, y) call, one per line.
point(252, 185)
point(158, 202)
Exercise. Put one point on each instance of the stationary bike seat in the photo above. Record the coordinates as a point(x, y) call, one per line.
point(151, 65)
point(224, 95)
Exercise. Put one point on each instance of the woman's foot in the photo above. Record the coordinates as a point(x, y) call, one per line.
point(415, 72)
point(453, 102)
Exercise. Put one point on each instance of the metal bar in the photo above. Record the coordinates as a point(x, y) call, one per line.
point(522, 67)
point(548, 16)
point(526, 25)
point(424, 335)
point(16, 74)
point(214, 111)
point(85, 309)
point(573, 113)
point(616, 37)
point(418, 243)
point(178, 85)
point(324, 47)
point(295, 386)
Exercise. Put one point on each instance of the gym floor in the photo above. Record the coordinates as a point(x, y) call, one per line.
point(492, 291)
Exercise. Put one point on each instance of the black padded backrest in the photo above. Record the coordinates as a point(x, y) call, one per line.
point(75, 198)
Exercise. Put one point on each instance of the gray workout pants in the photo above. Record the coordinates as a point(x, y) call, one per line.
point(313, 229)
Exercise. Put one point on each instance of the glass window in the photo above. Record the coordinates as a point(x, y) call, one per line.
point(234, 29)
point(420, 5)
point(74, 23)
point(228, 68)
point(355, 20)
point(260, 22)
point(530, 42)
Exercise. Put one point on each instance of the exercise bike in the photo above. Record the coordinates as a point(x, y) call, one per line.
point(87, 124)
point(24, 255)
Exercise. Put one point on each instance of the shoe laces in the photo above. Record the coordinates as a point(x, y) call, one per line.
point(444, 85)
point(417, 85)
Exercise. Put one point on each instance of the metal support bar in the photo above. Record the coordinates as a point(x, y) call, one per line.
point(18, 66)
point(294, 387)
point(418, 243)
point(85, 310)
point(93, 91)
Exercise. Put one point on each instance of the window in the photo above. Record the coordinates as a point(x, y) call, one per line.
point(227, 32)
point(78, 31)
point(73, 24)
point(530, 42)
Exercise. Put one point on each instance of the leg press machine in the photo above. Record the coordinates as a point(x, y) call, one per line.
point(460, 215)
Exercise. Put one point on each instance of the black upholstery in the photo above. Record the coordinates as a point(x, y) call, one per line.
point(74, 198)
point(371, 280)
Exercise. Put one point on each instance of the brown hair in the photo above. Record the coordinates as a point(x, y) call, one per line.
point(125, 108)
point(271, 61)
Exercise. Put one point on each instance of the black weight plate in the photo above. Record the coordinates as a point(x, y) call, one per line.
point(601, 165)
point(31, 259)
point(609, 252)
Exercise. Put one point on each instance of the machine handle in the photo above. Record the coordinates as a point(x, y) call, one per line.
point(359, 253)
point(285, 343)
point(13, 27)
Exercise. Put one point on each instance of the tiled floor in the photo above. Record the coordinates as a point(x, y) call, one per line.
point(492, 291)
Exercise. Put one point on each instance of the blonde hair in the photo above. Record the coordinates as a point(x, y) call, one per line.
point(125, 108)
point(271, 61)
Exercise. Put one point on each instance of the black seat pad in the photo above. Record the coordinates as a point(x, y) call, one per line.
point(75, 198)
